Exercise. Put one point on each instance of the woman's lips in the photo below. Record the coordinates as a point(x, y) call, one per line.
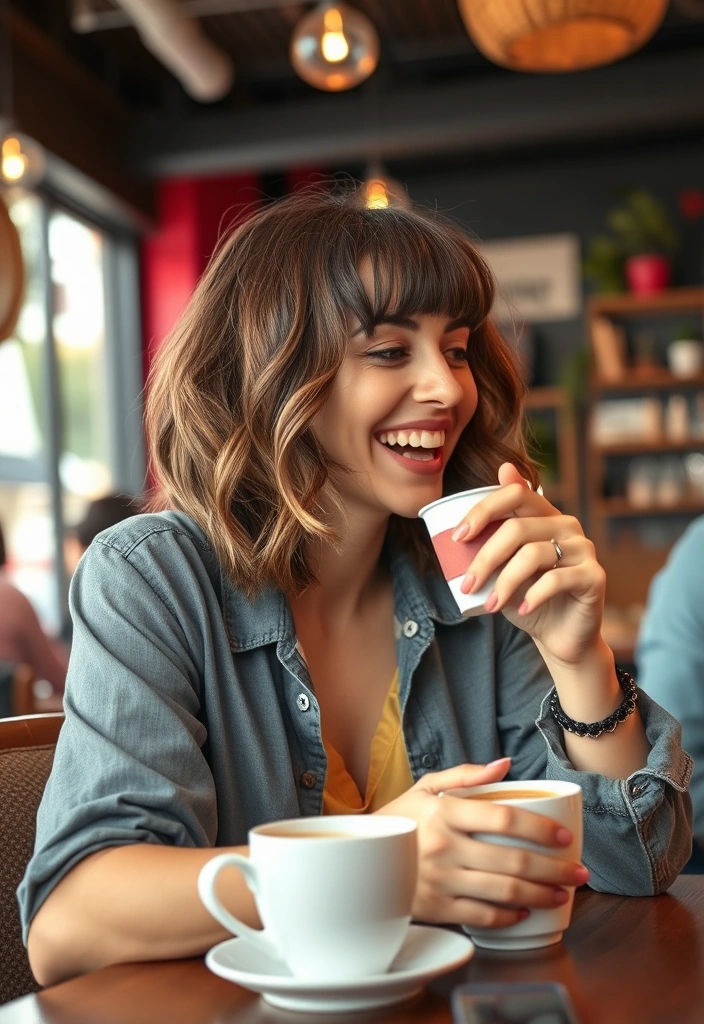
point(422, 467)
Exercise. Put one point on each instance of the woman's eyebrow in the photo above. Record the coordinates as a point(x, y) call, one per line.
point(453, 325)
point(388, 318)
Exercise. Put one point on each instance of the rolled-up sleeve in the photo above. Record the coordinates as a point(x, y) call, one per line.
point(637, 831)
point(129, 765)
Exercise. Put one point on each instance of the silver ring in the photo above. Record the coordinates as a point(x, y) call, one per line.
point(558, 553)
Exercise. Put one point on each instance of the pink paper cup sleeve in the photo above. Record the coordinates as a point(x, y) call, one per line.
point(455, 557)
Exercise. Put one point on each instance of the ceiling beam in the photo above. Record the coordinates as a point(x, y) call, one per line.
point(495, 112)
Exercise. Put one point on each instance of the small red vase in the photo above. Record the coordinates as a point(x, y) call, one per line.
point(648, 273)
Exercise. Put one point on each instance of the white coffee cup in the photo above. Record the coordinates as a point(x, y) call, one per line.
point(542, 927)
point(442, 517)
point(334, 894)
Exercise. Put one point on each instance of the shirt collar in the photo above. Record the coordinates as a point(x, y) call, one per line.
point(267, 618)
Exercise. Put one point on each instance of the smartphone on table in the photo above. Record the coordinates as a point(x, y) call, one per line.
point(513, 1003)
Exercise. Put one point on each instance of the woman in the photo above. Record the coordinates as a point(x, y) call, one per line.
point(281, 643)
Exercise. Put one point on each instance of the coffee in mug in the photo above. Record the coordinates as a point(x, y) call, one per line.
point(513, 794)
point(442, 517)
point(334, 894)
point(561, 801)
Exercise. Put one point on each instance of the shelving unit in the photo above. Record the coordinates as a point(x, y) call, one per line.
point(624, 530)
point(554, 406)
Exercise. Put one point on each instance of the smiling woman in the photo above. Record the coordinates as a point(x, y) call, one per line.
point(257, 355)
point(279, 641)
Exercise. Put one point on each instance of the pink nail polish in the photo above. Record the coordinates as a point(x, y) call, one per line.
point(523, 608)
point(523, 914)
point(461, 532)
point(563, 836)
point(491, 601)
point(559, 897)
point(581, 875)
point(467, 583)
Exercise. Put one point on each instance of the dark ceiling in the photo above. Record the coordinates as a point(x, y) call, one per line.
point(100, 102)
point(422, 41)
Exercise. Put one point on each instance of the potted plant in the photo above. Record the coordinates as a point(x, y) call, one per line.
point(649, 239)
point(639, 249)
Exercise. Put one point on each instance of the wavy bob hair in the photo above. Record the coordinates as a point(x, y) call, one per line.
point(235, 388)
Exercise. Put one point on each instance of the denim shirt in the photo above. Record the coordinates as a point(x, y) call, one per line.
point(191, 716)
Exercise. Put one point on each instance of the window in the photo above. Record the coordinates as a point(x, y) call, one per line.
point(70, 381)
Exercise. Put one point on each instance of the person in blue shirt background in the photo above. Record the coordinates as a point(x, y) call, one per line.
point(670, 657)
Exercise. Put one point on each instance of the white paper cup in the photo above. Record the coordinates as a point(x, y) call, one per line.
point(543, 927)
point(334, 893)
point(442, 517)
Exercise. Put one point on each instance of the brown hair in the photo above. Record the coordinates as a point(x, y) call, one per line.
point(235, 388)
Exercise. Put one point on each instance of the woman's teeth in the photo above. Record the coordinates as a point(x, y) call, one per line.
point(420, 445)
point(414, 438)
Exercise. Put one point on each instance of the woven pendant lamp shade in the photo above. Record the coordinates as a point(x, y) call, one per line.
point(560, 35)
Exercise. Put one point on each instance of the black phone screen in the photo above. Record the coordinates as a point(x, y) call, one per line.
point(520, 1005)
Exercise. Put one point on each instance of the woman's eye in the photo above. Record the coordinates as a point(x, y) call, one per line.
point(460, 354)
point(388, 355)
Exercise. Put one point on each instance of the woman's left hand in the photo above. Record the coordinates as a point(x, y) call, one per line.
point(560, 603)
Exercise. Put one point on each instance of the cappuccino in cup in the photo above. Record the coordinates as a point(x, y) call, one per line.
point(334, 894)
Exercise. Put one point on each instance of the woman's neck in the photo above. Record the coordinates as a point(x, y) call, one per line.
point(347, 576)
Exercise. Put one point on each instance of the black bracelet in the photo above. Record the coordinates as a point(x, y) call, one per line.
point(595, 729)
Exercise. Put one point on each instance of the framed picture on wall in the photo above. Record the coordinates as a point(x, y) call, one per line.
point(538, 277)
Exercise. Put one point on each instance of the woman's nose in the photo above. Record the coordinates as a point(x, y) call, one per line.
point(437, 382)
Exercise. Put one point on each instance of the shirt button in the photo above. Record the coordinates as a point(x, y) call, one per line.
point(309, 780)
point(302, 702)
point(410, 628)
point(428, 760)
point(636, 790)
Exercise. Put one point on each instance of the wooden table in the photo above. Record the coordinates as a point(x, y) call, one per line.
point(624, 961)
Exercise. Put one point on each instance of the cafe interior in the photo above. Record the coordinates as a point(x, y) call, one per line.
point(567, 139)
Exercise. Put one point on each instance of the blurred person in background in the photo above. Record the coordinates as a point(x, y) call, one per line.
point(670, 657)
point(22, 639)
point(100, 515)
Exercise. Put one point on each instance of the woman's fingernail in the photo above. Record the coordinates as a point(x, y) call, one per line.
point(491, 601)
point(499, 760)
point(468, 582)
point(564, 836)
point(461, 532)
point(581, 875)
point(523, 608)
point(523, 914)
point(560, 896)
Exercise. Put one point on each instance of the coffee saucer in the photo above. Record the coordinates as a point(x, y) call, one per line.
point(425, 953)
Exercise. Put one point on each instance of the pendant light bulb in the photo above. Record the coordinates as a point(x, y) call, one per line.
point(14, 162)
point(22, 160)
point(379, 191)
point(334, 47)
point(333, 44)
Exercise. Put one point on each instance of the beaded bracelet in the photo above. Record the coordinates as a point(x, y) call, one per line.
point(595, 729)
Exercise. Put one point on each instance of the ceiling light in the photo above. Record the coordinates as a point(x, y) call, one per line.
point(335, 47)
point(379, 191)
point(563, 35)
point(22, 160)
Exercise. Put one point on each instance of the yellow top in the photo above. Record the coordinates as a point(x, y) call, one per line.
point(389, 771)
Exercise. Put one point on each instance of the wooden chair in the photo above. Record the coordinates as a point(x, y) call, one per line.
point(27, 745)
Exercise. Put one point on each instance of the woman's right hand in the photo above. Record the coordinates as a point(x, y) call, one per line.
point(463, 880)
